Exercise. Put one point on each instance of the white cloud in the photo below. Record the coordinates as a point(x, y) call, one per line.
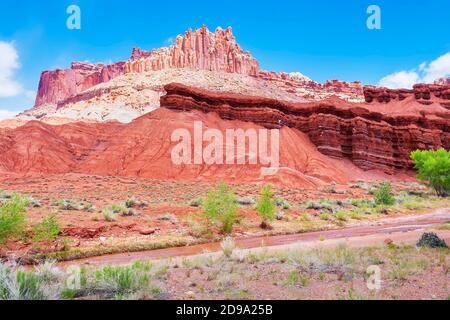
point(402, 79)
point(425, 73)
point(439, 68)
point(9, 63)
point(6, 114)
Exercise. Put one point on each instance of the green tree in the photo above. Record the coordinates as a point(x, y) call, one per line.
point(433, 167)
point(12, 218)
point(266, 206)
point(220, 206)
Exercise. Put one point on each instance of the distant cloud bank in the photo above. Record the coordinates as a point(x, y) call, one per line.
point(425, 73)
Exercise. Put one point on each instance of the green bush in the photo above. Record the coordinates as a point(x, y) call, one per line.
point(266, 206)
point(324, 216)
point(47, 230)
point(109, 215)
point(431, 239)
point(220, 205)
point(12, 218)
point(383, 194)
point(20, 285)
point(131, 202)
point(433, 167)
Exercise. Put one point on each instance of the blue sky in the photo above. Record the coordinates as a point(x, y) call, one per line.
point(322, 39)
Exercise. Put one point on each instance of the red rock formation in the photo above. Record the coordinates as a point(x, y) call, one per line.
point(423, 93)
point(199, 49)
point(371, 139)
point(342, 86)
point(317, 140)
point(301, 85)
point(58, 85)
point(443, 81)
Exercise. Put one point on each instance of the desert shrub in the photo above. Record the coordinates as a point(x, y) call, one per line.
point(168, 217)
point(20, 285)
point(433, 167)
point(341, 215)
point(304, 217)
point(296, 279)
point(383, 194)
point(34, 203)
point(197, 228)
point(220, 205)
point(12, 218)
point(118, 281)
point(109, 215)
point(246, 201)
point(266, 205)
point(119, 209)
point(48, 272)
point(331, 205)
point(131, 202)
point(361, 203)
point(354, 214)
point(431, 239)
point(48, 229)
point(89, 207)
point(29, 286)
point(68, 204)
point(228, 245)
point(324, 216)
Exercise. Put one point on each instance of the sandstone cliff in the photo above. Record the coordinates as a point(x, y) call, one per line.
point(55, 86)
point(371, 136)
point(199, 49)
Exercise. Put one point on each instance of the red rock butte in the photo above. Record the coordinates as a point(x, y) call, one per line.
point(199, 49)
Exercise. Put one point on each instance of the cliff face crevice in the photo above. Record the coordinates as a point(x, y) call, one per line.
point(371, 139)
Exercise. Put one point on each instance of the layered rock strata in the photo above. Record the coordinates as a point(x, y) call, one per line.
point(369, 138)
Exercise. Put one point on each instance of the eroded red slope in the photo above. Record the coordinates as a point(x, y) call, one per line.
point(143, 148)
